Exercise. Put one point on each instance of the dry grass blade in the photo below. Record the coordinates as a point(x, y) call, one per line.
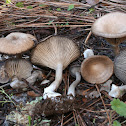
point(104, 105)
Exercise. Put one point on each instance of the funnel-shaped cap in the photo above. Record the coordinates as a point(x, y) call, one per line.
point(55, 50)
point(97, 69)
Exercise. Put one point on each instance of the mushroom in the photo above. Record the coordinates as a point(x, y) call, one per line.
point(117, 91)
point(56, 53)
point(97, 69)
point(18, 69)
point(111, 26)
point(16, 43)
point(88, 52)
point(75, 72)
point(120, 66)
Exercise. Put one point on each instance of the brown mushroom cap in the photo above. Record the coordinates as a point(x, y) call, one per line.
point(16, 43)
point(120, 66)
point(55, 50)
point(97, 69)
point(20, 68)
point(111, 25)
point(3, 75)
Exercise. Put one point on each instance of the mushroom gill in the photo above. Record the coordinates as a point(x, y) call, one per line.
point(21, 68)
point(56, 53)
point(120, 66)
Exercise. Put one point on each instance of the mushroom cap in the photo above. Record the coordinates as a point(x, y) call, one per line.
point(55, 50)
point(20, 68)
point(73, 69)
point(16, 43)
point(3, 75)
point(97, 69)
point(120, 66)
point(111, 25)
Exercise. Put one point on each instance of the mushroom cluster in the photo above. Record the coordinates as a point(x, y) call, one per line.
point(112, 27)
point(58, 52)
point(16, 69)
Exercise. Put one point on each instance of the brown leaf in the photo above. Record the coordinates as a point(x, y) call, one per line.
point(32, 94)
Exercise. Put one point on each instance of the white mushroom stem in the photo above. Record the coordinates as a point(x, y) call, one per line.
point(16, 83)
point(34, 76)
point(58, 78)
point(117, 91)
point(88, 52)
point(71, 89)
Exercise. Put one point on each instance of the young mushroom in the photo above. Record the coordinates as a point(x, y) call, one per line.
point(111, 26)
point(56, 53)
point(97, 69)
point(88, 52)
point(120, 66)
point(75, 72)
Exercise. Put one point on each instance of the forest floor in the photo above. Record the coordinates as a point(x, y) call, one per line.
point(72, 19)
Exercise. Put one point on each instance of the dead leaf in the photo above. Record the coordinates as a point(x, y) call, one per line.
point(32, 94)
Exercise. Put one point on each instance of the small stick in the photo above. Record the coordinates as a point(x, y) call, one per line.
point(55, 28)
point(103, 104)
point(86, 40)
point(32, 87)
point(62, 120)
point(5, 85)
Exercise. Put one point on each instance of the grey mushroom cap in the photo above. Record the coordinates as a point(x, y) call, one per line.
point(120, 66)
point(55, 50)
point(3, 74)
point(21, 68)
point(111, 25)
point(97, 69)
point(16, 43)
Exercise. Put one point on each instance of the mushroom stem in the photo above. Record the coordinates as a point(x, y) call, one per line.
point(58, 78)
point(88, 52)
point(34, 76)
point(71, 89)
point(116, 49)
point(117, 91)
point(16, 83)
